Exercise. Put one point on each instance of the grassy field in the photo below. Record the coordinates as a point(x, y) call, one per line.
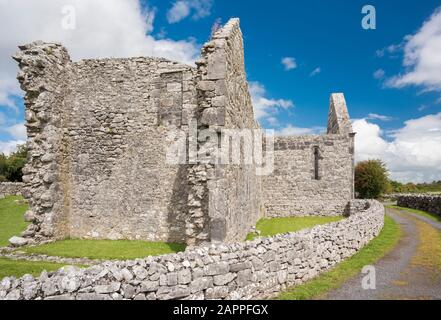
point(12, 223)
point(11, 218)
point(431, 216)
point(334, 278)
point(17, 269)
point(270, 227)
point(105, 249)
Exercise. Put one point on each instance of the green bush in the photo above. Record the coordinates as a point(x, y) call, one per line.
point(371, 179)
point(11, 166)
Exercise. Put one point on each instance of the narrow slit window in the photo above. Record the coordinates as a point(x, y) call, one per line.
point(316, 163)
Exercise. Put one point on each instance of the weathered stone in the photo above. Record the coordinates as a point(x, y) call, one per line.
point(128, 291)
point(110, 288)
point(217, 268)
point(61, 297)
point(18, 241)
point(200, 284)
point(92, 296)
point(149, 286)
point(140, 272)
point(216, 293)
point(172, 279)
point(184, 276)
point(213, 116)
point(223, 279)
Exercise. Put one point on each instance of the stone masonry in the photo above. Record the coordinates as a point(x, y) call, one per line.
point(99, 135)
point(247, 270)
point(313, 175)
point(425, 202)
point(11, 188)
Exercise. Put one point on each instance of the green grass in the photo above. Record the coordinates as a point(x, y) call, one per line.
point(273, 226)
point(334, 278)
point(105, 249)
point(18, 268)
point(11, 218)
point(429, 215)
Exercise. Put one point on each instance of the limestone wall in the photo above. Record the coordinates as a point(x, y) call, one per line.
point(43, 76)
point(232, 192)
point(250, 270)
point(98, 136)
point(313, 175)
point(424, 202)
point(11, 188)
point(120, 113)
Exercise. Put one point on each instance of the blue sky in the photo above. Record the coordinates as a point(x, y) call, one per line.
point(323, 45)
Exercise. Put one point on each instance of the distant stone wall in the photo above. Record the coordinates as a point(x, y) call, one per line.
point(313, 175)
point(424, 202)
point(251, 270)
point(11, 188)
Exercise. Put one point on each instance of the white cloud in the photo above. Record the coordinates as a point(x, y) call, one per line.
point(104, 28)
point(414, 152)
point(289, 63)
point(7, 147)
point(379, 74)
point(273, 121)
point(315, 72)
point(179, 11)
point(422, 57)
point(423, 107)
point(392, 49)
point(291, 130)
point(264, 107)
point(17, 131)
point(374, 116)
point(183, 8)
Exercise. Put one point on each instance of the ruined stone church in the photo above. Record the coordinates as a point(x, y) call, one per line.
point(98, 140)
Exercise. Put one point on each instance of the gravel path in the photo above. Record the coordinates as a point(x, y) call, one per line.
point(396, 277)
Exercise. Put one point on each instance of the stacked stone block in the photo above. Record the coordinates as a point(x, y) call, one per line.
point(424, 202)
point(252, 270)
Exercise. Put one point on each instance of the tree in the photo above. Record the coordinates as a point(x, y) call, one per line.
point(371, 179)
point(11, 166)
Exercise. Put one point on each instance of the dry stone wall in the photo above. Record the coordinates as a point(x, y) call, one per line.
point(424, 202)
point(11, 188)
point(250, 270)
